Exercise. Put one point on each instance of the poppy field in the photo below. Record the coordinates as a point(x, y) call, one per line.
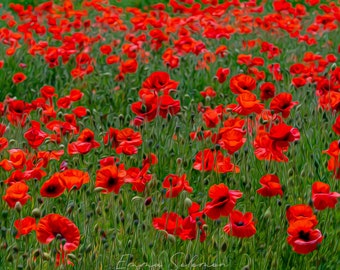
point(173, 134)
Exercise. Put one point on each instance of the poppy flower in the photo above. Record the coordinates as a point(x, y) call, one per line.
point(176, 184)
point(301, 212)
point(283, 134)
point(230, 138)
point(34, 135)
point(208, 160)
point(16, 193)
point(110, 178)
point(189, 229)
point(282, 103)
point(336, 125)
point(169, 222)
point(211, 117)
point(159, 81)
point(223, 201)
point(322, 197)
point(84, 144)
point(302, 237)
point(54, 226)
point(24, 226)
point(3, 143)
point(18, 112)
point(128, 66)
point(138, 178)
point(247, 104)
point(242, 84)
point(222, 74)
point(53, 187)
point(267, 90)
point(18, 77)
point(270, 186)
point(168, 106)
point(73, 178)
point(208, 92)
point(240, 225)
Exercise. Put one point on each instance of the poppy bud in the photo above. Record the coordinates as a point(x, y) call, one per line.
point(148, 201)
point(179, 161)
point(36, 213)
point(187, 202)
point(18, 206)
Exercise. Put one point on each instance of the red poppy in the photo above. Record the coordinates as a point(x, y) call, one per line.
point(168, 106)
point(54, 226)
point(189, 229)
point(223, 201)
point(159, 81)
point(19, 77)
point(138, 178)
point(24, 226)
point(212, 117)
point(231, 136)
point(301, 212)
point(80, 111)
point(3, 143)
point(84, 144)
point(336, 125)
point(240, 225)
point(53, 187)
point(267, 90)
point(208, 160)
point(169, 222)
point(110, 178)
point(242, 84)
point(222, 74)
point(17, 160)
point(282, 103)
point(208, 92)
point(18, 112)
point(248, 104)
point(16, 193)
point(283, 134)
point(176, 184)
point(129, 66)
point(35, 136)
point(73, 178)
point(333, 163)
point(302, 237)
point(322, 197)
point(270, 186)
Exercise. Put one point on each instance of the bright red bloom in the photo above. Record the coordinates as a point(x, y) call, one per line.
point(35, 136)
point(84, 144)
point(242, 84)
point(169, 222)
point(336, 125)
point(159, 81)
point(267, 90)
point(16, 193)
point(240, 225)
point(208, 92)
point(248, 104)
point(53, 187)
point(176, 184)
point(110, 178)
point(322, 197)
point(282, 103)
point(18, 112)
point(129, 66)
point(208, 160)
point(301, 212)
point(73, 178)
point(270, 186)
point(24, 226)
point(302, 237)
point(222, 74)
point(223, 201)
point(3, 143)
point(138, 177)
point(19, 77)
point(54, 226)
